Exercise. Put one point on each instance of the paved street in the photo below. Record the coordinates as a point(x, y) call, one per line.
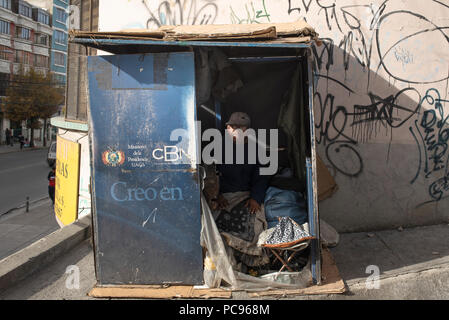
point(22, 174)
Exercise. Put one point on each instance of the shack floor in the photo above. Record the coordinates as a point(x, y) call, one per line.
point(332, 283)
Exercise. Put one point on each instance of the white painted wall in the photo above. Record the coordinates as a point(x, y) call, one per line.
point(380, 109)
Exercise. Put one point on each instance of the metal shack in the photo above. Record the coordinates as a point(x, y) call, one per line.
point(151, 103)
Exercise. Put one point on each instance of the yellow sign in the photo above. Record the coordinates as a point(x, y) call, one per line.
point(67, 180)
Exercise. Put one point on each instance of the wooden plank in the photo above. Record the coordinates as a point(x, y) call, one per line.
point(123, 37)
point(131, 32)
point(157, 292)
point(262, 37)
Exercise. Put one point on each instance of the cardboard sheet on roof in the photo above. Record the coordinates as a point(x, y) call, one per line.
point(218, 31)
point(300, 30)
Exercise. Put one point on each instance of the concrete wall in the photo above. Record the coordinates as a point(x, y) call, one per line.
point(381, 106)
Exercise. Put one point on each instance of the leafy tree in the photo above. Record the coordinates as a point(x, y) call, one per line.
point(32, 95)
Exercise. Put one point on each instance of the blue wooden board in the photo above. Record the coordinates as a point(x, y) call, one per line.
point(147, 218)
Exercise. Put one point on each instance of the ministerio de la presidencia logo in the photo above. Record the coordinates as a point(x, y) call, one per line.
point(113, 158)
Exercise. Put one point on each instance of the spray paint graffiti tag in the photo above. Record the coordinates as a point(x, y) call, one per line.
point(187, 12)
point(438, 189)
point(433, 135)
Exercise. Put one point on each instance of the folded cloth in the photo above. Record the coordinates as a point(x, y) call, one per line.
point(284, 203)
point(287, 233)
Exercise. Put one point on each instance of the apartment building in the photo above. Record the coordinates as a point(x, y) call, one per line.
point(30, 35)
point(25, 38)
point(58, 58)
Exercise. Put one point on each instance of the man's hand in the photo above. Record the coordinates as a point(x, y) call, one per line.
point(222, 202)
point(252, 205)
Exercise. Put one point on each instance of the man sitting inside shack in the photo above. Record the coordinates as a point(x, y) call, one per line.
point(236, 177)
point(241, 195)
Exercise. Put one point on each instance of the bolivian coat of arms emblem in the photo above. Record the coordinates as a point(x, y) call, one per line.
point(113, 158)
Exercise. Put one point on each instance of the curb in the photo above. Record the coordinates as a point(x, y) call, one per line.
point(25, 262)
point(419, 284)
point(23, 206)
point(436, 264)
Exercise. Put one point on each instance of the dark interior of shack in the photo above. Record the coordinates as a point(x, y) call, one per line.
point(270, 84)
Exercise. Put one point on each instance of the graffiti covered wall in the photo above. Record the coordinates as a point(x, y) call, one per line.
point(381, 107)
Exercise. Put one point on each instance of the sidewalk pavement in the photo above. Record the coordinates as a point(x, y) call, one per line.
point(413, 264)
point(19, 228)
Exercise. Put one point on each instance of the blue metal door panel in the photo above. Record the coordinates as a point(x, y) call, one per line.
point(145, 181)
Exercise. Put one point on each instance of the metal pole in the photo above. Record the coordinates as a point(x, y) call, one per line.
point(28, 204)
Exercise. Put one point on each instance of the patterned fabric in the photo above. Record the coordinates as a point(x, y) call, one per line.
point(244, 252)
point(287, 233)
point(238, 222)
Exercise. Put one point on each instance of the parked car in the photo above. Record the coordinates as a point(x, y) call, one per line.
point(51, 155)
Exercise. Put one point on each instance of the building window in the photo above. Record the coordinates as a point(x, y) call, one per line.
point(42, 17)
point(58, 78)
point(60, 15)
point(60, 37)
point(24, 10)
point(4, 27)
point(40, 61)
point(59, 59)
point(5, 52)
point(23, 57)
point(40, 38)
point(5, 4)
point(23, 33)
